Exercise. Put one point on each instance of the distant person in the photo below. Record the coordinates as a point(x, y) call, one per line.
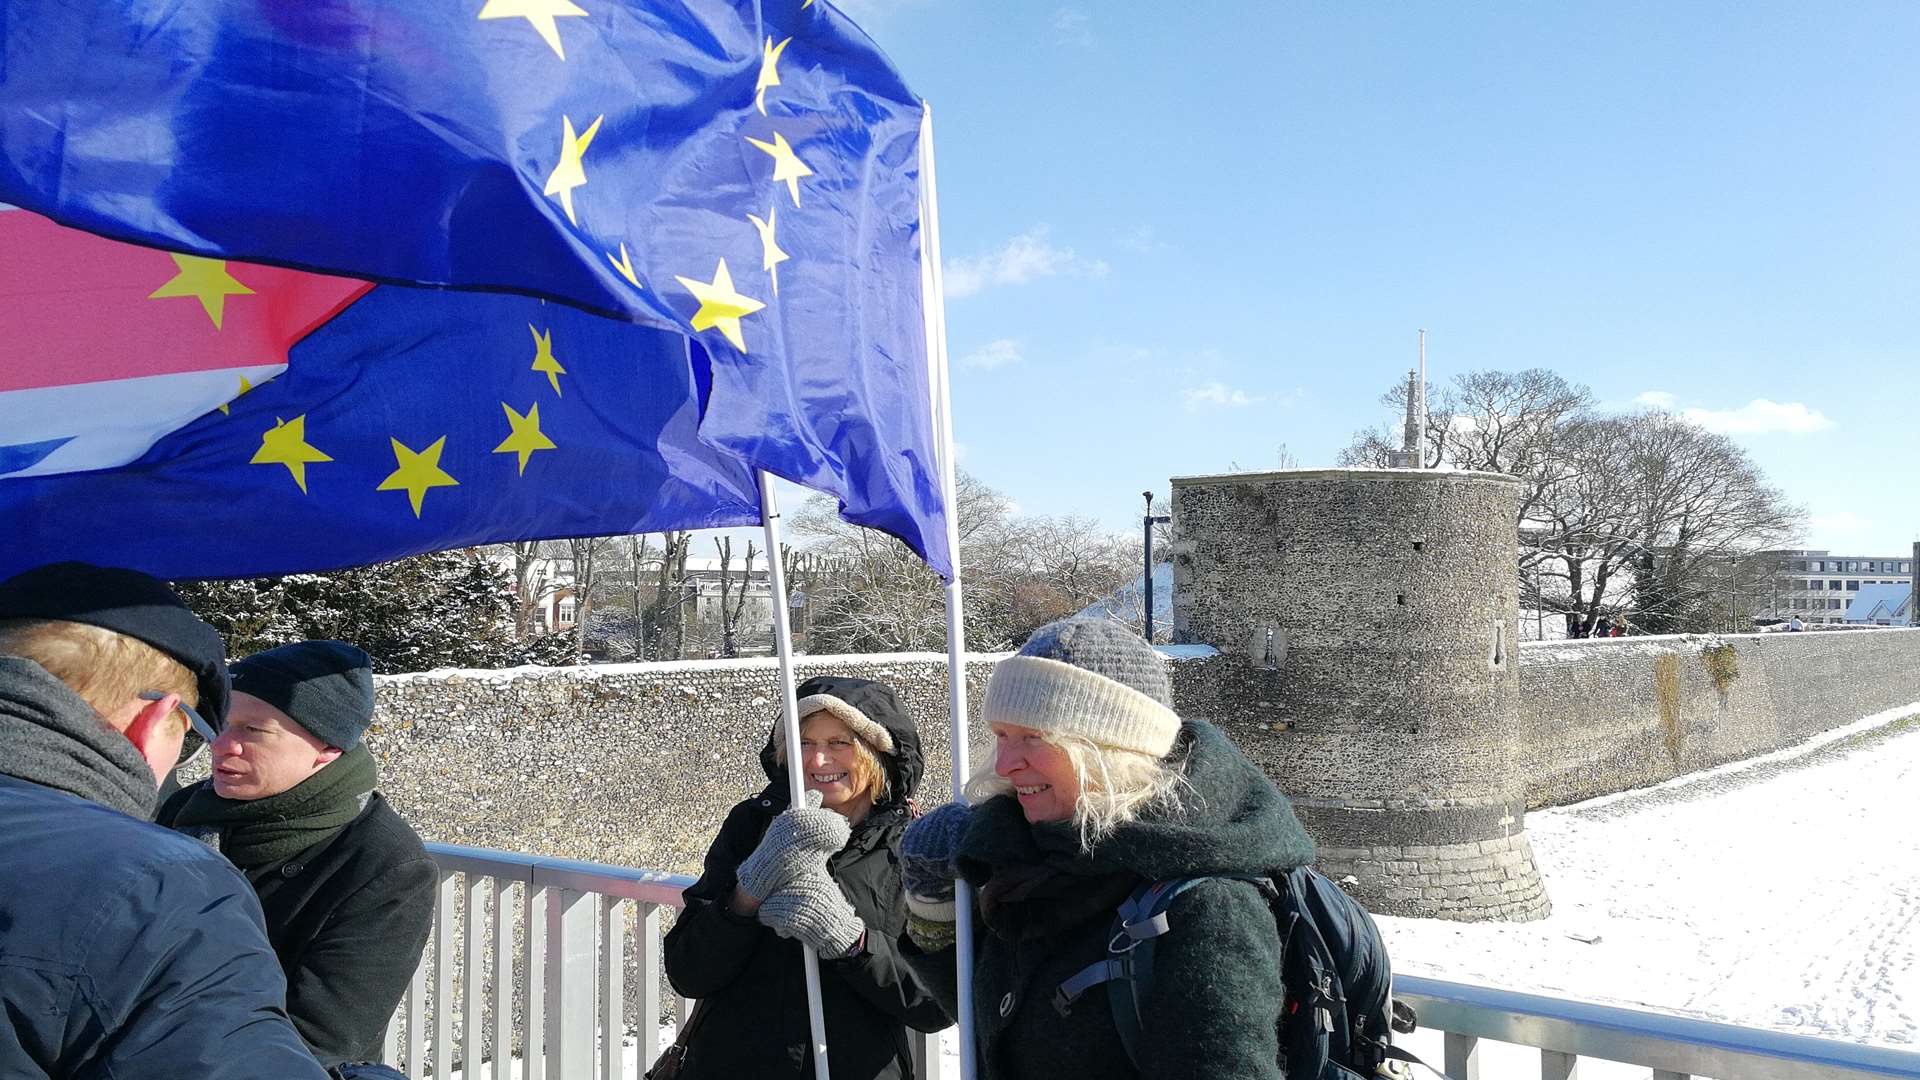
point(1586, 629)
point(824, 871)
point(1573, 625)
point(1604, 627)
point(126, 950)
point(1619, 627)
point(1095, 788)
point(346, 885)
point(1794, 625)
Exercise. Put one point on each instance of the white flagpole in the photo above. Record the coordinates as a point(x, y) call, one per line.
point(934, 308)
point(790, 712)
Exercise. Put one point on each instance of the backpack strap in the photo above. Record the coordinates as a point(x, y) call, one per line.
point(1139, 922)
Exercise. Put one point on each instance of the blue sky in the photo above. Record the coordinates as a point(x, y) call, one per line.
point(1179, 236)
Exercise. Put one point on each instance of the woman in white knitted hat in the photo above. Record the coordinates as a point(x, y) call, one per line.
point(1094, 787)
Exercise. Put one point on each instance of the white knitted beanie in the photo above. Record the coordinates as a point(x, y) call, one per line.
point(1094, 678)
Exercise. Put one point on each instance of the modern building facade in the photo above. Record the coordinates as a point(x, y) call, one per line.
point(1820, 586)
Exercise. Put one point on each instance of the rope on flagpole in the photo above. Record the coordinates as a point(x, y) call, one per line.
point(790, 714)
point(934, 310)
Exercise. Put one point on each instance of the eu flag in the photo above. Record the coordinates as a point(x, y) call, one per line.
point(414, 420)
point(744, 175)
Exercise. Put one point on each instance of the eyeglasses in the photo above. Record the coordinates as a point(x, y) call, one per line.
point(199, 724)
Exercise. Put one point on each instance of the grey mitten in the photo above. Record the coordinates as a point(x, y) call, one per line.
point(812, 909)
point(797, 840)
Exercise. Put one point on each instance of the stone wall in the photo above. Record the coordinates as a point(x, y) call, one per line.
point(1606, 715)
point(629, 764)
point(636, 764)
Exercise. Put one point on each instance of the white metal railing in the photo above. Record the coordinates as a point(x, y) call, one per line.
point(567, 957)
point(558, 931)
point(1673, 1047)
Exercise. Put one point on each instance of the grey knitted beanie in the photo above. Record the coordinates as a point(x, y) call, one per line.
point(1089, 677)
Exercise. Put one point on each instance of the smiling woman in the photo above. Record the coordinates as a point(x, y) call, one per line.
point(822, 870)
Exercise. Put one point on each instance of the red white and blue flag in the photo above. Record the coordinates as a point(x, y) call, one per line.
point(127, 344)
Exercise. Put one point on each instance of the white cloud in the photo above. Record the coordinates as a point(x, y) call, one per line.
point(1070, 26)
point(1217, 395)
point(1026, 257)
point(1757, 417)
point(993, 354)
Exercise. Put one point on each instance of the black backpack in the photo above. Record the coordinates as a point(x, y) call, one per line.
point(1339, 1016)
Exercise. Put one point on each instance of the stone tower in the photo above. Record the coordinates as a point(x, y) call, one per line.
point(1367, 621)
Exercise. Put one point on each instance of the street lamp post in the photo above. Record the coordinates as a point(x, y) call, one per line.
point(1146, 577)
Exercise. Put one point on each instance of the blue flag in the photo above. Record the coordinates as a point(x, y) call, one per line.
point(416, 420)
point(744, 174)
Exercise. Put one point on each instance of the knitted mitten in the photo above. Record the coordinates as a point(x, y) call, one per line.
point(927, 874)
point(798, 840)
point(812, 909)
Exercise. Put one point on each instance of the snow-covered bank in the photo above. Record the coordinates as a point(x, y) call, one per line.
point(1782, 893)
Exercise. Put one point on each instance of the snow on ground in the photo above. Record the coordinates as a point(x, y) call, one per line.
point(1782, 892)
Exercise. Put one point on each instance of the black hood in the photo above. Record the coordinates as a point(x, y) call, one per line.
point(876, 701)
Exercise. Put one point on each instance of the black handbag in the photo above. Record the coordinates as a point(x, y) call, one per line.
point(673, 1059)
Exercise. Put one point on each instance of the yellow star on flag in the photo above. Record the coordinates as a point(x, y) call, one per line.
point(527, 436)
point(624, 264)
point(769, 72)
point(538, 13)
point(571, 173)
point(720, 305)
point(286, 444)
point(245, 386)
point(543, 359)
point(207, 281)
point(786, 164)
point(770, 254)
point(417, 472)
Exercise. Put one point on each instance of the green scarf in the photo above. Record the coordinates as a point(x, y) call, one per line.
point(262, 832)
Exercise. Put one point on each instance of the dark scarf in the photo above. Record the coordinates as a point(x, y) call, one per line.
point(262, 832)
point(1046, 883)
point(51, 737)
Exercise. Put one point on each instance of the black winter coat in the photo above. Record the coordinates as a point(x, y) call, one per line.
point(348, 918)
point(751, 980)
point(1215, 1006)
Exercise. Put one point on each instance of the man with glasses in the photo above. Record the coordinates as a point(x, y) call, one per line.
point(125, 949)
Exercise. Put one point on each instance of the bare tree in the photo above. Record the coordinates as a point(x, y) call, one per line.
point(663, 623)
point(530, 587)
point(730, 613)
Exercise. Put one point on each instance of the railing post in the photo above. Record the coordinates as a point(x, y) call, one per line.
point(1462, 1057)
point(570, 972)
point(417, 1019)
point(502, 1002)
point(533, 1030)
point(442, 979)
point(928, 1064)
point(1555, 1065)
point(613, 987)
point(472, 960)
point(646, 968)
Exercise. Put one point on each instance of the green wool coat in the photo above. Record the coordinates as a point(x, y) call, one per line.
point(1215, 1005)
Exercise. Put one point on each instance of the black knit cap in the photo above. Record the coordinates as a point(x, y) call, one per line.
point(325, 686)
point(130, 603)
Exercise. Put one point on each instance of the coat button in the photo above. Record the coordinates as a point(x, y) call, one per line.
point(1006, 1005)
point(292, 869)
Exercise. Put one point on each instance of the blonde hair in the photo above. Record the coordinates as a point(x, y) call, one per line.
point(106, 669)
point(1116, 786)
point(869, 775)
